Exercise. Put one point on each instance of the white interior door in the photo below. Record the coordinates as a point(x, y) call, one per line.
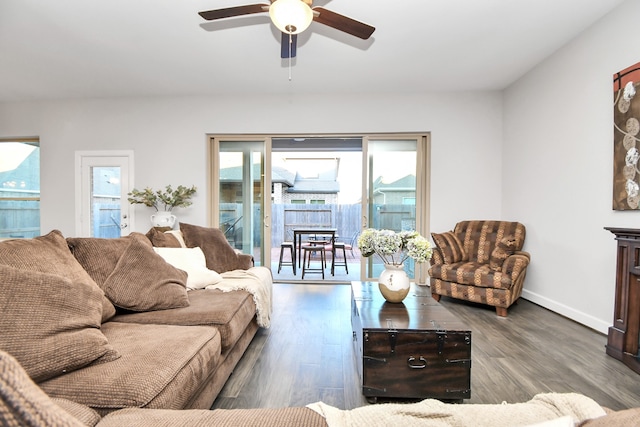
point(103, 180)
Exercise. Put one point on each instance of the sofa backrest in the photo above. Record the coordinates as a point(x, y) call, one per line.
point(480, 237)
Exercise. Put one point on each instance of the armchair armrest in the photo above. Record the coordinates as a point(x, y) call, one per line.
point(436, 256)
point(515, 264)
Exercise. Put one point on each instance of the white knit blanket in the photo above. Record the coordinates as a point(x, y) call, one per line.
point(433, 413)
point(258, 282)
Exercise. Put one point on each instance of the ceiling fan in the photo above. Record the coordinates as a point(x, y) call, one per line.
point(292, 17)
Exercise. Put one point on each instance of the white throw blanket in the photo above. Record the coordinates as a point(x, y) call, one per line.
point(258, 282)
point(431, 412)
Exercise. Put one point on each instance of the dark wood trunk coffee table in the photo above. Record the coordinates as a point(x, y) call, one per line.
point(416, 349)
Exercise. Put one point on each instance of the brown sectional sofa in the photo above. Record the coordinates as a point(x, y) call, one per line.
point(109, 324)
point(69, 357)
point(23, 403)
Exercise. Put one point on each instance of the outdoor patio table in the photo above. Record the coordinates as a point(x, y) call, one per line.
point(299, 232)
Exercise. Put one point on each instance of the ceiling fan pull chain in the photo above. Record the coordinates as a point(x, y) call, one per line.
point(290, 44)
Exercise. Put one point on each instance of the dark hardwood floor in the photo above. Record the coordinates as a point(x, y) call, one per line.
point(307, 355)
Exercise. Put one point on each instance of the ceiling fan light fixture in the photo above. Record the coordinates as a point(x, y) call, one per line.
point(291, 16)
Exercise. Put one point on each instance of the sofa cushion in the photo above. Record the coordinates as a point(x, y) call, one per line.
point(50, 323)
point(229, 312)
point(256, 417)
point(162, 366)
point(471, 273)
point(625, 417)
point(450, 246)
point(504, 249)
point(82, 413)
point(49, 254)
point(218, 252)
point(193, 262)
point(22, 403)
point(132, 275)
point(161, 239)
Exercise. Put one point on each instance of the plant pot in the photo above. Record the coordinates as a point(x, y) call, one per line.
point(394, 283)
point(163, 219)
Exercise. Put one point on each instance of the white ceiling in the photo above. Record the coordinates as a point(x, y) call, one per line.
point(52, 49)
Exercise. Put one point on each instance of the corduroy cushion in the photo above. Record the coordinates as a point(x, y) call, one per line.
point(82, 413)
point(626, 417)
point(22, 403)
point(161, 239)
point(450, 246)
point(132, 275)
point(504, 249)
point(218, 252)
point(162, 366)
point(49, 254)
point(259, 417)
point(51, 324)
point(228, 312)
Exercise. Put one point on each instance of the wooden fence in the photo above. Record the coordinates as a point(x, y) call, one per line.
point(19, 219)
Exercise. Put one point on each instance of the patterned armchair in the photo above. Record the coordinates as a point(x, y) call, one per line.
point(480, 261)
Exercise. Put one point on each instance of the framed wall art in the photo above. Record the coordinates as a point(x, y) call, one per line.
point(626, 145)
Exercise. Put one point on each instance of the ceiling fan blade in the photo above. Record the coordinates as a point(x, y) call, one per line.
point(228, 12)
point(342, 23)
point(288, 50)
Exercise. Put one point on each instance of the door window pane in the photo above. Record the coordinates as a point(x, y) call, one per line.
point(105, 201)
point(19, 189)
point(392, 192)
point(241, 195)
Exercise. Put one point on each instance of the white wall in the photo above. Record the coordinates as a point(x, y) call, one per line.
point(168, 138)
point(558, 168)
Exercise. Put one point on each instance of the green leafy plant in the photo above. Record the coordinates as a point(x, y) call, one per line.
point(394, 248)
point(164, 200)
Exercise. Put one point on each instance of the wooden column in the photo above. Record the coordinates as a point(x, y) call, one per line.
point(622, 341)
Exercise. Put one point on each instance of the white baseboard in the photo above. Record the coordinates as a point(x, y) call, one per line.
point(573, 314)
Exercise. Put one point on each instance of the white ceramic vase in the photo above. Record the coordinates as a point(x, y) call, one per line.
point(394, 283)
point(163, 219)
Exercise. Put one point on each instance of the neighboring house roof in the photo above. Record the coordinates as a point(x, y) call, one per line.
point(278, 174)
point(403, 184)
point(315, 186)
point(295, 183)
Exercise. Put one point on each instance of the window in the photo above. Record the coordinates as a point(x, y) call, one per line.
point(408, 200)
point(19, 188)
point(316, 202)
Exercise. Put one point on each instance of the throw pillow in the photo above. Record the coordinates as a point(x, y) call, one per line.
point(49, 254)
point(23, 403)
point(218, 252)
point(143, 281)
point(450, 246)
point(50, 323)
point(504, 248)
point(178, 235)
point(162, 240)
point(101, 258)
point(192, 261)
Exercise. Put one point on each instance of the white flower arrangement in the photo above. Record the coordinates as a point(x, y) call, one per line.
point(394, 248)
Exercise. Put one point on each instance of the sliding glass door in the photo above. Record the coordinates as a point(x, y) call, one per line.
point(241, 199)
point(394, 195)
point(257, 198)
